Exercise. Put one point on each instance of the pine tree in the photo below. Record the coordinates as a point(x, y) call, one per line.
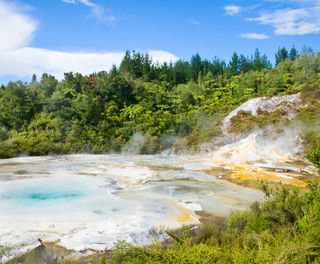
point(245, 64)
point(114, 71)
point(146, 68)
point(34, 78)
point(281, 55)
point(257, 61)
point(196, 66)
point(234, 64)
point(125, 63)
point(266, 64)
point(293, 54)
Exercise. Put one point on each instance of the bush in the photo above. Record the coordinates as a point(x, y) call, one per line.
point(283, 229)
point(314, 157)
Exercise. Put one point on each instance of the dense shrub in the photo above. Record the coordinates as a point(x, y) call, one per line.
point(314, 157)
point(283, 229)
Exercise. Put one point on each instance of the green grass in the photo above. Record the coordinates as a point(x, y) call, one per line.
point(283, 229)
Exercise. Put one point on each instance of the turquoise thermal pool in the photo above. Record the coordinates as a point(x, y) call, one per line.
point(90, 201)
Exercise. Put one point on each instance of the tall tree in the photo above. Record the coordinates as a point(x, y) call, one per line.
point(114, 71)
point(125, 63)
point(293, 54)
point(17, 107)
point(234, 64)
point(245, 64)
point(206, 66)
point(147, 67)
point(281, 55)
point(257, 61)
point(48, 84)
point(218, 66)
point(34, 78)
point(266, 64)
point(136, 64)
point(196, 66)
point(182, 72)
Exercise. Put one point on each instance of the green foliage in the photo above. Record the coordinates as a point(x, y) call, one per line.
point(235, 64)
point(184, 252)
point(293, 54)
point(314, 157)
point(185, 101)
point(283, 229)
point(281, 55)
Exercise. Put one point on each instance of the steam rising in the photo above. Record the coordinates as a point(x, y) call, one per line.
point(263, 145)
point(135, 145)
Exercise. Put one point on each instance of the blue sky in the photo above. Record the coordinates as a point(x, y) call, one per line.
point(56, 36)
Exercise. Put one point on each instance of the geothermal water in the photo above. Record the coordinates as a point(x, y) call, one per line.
point(92, 201)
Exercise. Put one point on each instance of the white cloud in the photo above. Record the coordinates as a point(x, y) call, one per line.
point(19, 59)
point(288, 21)
point(301, 17)
point(96, 10)
point(16, 29)
point(161, 56)
point(194, 22)
point(232, 10)
point(254, 36)
point(26, 61)
point(69, 1)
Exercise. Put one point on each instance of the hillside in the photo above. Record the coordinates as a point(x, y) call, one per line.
point(154, 107)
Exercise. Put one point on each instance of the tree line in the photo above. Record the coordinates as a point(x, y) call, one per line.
point(102, 111)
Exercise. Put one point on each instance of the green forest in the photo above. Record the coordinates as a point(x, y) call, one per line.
point(179, 103)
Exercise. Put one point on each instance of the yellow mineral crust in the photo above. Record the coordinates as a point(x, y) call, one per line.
point(249, 172)
point(179, 216)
